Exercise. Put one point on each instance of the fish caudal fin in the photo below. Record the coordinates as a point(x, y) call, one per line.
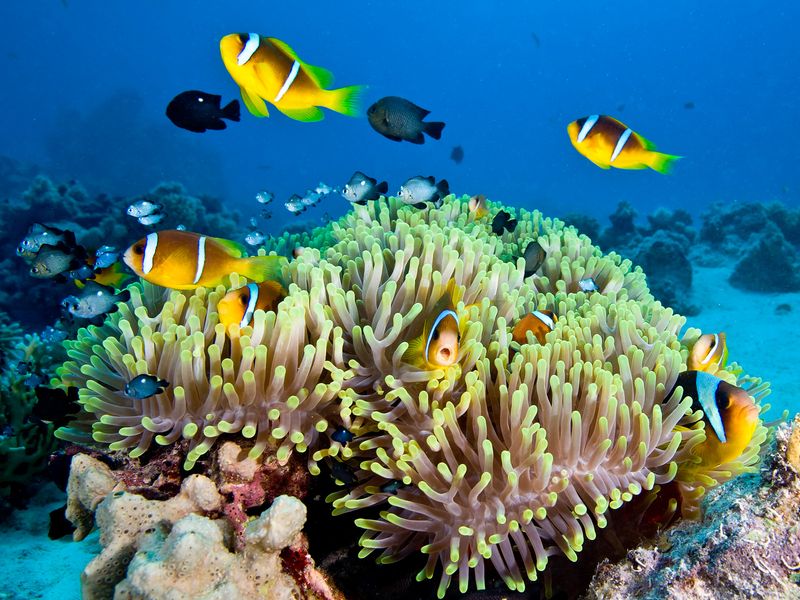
point(382, 188)
point(261, 268)
point(231, 111)
point(663, 163)
point(346, 100)
point(434, 129)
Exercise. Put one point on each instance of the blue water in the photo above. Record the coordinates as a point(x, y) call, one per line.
point(506, 97)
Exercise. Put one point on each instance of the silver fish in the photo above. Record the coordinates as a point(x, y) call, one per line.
point(144, 386)
point(361, 188)
point(51, 261)
point(94, 300)
point(152, 219)
point(588, 285)
point(310, 198)
point(418, 191)
point(295, 205)
point(38, 235)
point(180, 227)
point(143, 208)
point(255, 238)
point(105, 256)
point(323, 189)
point(253, 222)
point(265, 197)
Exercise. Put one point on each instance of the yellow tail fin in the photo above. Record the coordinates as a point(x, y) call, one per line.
point(663, 163)
point(346, 100)
point(262, 268)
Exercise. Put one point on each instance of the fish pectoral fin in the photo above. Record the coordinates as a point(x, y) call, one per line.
point(254, 104)
point(307, 115)
point(416, 348)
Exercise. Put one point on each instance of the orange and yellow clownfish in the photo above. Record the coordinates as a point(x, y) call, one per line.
point(112, 276)
point(267, 69)
point(183, 260)
point(437, 346)
point(728, 410)
point(477, 207)
point(539, 322)
point(608, 143)
point(238, 306)
point(708, 353)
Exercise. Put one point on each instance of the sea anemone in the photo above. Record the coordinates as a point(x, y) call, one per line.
point(513, 454)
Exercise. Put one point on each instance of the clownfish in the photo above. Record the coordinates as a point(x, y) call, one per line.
point(183, 260)
point(727, 409)
point(709, 351)
point(477, 207)
point(539, 322)
point(267, 69)
point(609, 143)
point(239, 305)
point(437, 345)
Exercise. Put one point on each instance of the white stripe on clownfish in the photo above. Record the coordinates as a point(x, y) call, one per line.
point(439, 319)
point(201, 258)
point(711, 350)
point(150, 245)
point(253, 41)
point(545, 319)
point(623, 139)
point(289, 80)
point(587, 127)
point(251, 305)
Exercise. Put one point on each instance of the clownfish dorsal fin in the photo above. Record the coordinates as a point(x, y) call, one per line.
point(234, 249)
point(322, 77)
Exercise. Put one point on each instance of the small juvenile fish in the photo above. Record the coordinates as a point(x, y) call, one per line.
point(39, 235)
point(477, 206)
point(152, 219)
point(198, 111)
point(362, 188)
point(457, 155)
point(503, 221)
point(539, 322)
point(254, 238)
point(265, 197)
point(52, 261)
point(94, 300)
point(343, 472)
point(266, 215)
point(144, 386)
point(342, 435)
point(419, 190)
point(237, 306)
point(534, 256)
point(253, 222)
point(398, 119)
point(310, 198)
point(180, 227)
point(325, 218)
point(391, 487)
point(323, 189)
point(105, 256)
point(51, 335)
point(588, 285)
point(142, 208)
point(295, 205)
point(710, 350)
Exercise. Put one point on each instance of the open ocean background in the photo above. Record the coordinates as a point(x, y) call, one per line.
point(85, 84)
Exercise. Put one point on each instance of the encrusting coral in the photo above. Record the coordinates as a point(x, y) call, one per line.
point(511, 455)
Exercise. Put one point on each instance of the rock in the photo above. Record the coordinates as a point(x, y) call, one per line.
point(769, 265)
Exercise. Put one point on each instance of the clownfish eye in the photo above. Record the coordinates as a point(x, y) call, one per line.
point(138, 249)
point(244, 299)
point(435, 335)
point(724, 403)
point(243, 37)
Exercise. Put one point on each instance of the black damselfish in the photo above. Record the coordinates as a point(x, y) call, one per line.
point(198, 111)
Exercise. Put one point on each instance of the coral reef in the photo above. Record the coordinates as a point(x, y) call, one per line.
point(25, 442)
point(177, 548)
point(96, 221)
point(511, 456)
point(748, 545)
point(769, 265)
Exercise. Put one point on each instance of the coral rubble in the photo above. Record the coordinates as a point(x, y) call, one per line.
point(513, 455)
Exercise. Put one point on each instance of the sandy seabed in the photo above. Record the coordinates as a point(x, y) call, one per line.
point(759, 338)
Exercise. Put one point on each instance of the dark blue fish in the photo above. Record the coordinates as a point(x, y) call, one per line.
point(391, 487)
point(341, 435)
point(198, 111)
point(144, 386)
point(343, 472)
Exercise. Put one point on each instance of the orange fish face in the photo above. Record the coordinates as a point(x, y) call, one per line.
point(709, 353)
point(441, 349)
point(477, 206)
point(539, 322)
point(740, 418)
point(238, 306)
